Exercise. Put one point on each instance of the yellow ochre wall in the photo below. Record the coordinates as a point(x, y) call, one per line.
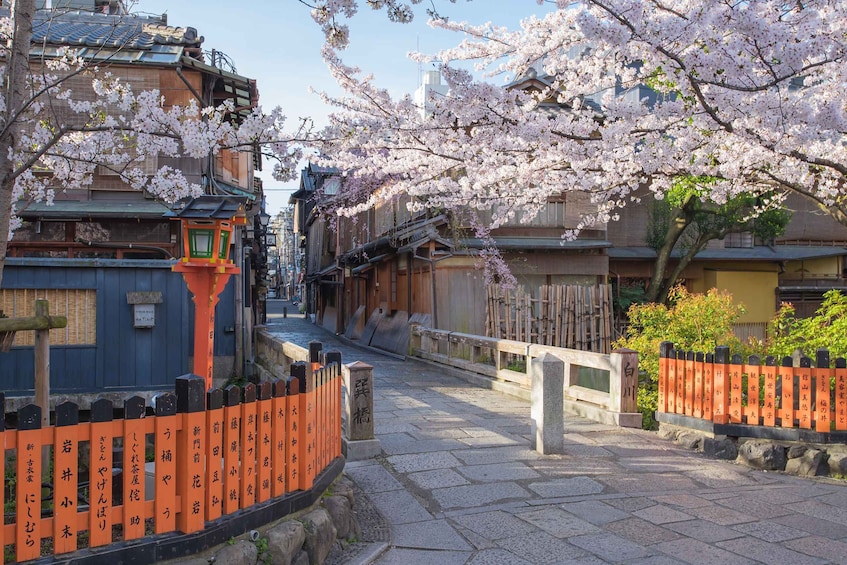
point(753, 289)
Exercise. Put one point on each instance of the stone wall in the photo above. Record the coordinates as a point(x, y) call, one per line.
point(305, 538)
point(795, 458)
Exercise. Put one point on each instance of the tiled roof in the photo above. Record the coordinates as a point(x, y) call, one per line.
point(96, 30)
point(149, 209)
point(215, 207)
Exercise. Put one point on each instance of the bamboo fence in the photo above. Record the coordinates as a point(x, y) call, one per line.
point(570, 316)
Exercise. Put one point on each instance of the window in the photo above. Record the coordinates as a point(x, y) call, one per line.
point(739, 240)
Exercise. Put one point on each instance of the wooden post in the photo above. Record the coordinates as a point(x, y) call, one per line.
point(190, 481)
point(164, 507)
point(100, 474)
point(753, 371)
point(769, 408)
point(133, 468)
point(720, 406)
point(665, 349)
point(28, 503)
point(214, 454)
point(265, 453)
point(293, 421)
point(840, 394)
point(804, 393)
point(278, 435)
point(249, 444)
point(823, 375)
point(66, 481)
point(786, 377)
point(232, 423)
point(708, 385)
point(42, 363)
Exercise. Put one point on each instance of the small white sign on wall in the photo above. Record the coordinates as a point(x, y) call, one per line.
point(145, 315)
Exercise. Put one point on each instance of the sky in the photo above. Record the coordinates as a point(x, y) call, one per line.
point(277, 43)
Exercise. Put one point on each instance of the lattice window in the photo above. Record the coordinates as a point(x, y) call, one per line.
point(78, 305)
point(738, 239)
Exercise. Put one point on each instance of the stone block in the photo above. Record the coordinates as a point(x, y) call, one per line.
point(764, 455)
point(320, 535)
point(720, 448)
point(807, 465)
point(242, 552)
point(547, 375)
point(285, 541)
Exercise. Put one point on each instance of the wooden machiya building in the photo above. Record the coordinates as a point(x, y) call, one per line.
point(376, 273)
point(100, 250)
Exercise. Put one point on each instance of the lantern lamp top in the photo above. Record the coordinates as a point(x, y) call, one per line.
point(213, 208)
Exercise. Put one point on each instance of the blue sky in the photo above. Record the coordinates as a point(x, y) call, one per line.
point(277, 43)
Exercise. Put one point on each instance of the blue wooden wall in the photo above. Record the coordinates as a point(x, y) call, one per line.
point(124, 358)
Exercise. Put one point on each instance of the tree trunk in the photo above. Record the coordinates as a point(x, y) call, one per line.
point(663, 255)
point(16, 96)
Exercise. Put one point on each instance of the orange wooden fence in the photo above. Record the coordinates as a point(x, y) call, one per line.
point(212, 453)
point(728, 390)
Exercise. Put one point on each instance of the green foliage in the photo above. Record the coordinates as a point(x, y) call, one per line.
point(698, 322)
point(827, 329)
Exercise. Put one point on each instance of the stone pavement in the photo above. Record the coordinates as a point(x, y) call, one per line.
point(457, 483)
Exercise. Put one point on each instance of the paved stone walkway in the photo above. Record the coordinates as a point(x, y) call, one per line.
point(458, 484)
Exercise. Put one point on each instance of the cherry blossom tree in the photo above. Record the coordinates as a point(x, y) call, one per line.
point(750, 95)
point(42, 150)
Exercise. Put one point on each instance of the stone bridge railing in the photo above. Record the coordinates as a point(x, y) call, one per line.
point(600, 387)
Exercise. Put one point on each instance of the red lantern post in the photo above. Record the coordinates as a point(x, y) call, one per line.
point(207, 223)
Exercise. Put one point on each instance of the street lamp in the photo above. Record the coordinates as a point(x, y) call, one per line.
point(207, 223)
point(264, 219)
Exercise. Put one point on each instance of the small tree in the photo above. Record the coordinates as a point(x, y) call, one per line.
point(686, 221)
point(697, 322)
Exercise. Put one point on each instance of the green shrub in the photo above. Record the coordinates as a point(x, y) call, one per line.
point(827, 329)
point(692, 322)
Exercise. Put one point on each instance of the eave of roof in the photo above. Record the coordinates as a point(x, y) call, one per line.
point(538, 243)
point(75, 209)
point(759, 253)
